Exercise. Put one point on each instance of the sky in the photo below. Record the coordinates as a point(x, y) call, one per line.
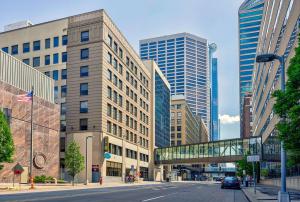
point(215, 20)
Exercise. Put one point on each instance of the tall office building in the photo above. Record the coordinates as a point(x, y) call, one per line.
point(161, 105)
point(279, 32)
point(102, 83)
point(250, 16)
point(214, 101)
point(183, 59)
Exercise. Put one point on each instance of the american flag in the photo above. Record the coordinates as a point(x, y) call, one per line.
point(25, 97)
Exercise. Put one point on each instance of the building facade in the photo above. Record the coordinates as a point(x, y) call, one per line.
point(246, 120)
point(183, 59)
point(250, 16)
point(102, 86)
point(17, 78)
point(278, 34)
point(161, 105)
point(186, 128)
point(214, 101)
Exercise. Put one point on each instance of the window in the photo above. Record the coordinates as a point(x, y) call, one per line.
point(47, 74)
point(83, 124)
point(63, 126)
point(65, 40)
point(63, 91)
point(110, 40)
point(115, 47)
point(108, 127)
point(84, 107)
point(109, 75)
point(62, 144)
point(115, 80)
point(36, 45)
point(109, 58)
point(115, 64)
point(120, 69)
point(26, 47)
point(55, 58)
point(14, 50)
point(84, 89)
point(47, 43)
point(120, 52)
point(84, 54)
point(63, 109)
point(36, 62)
point(109, 92)
point(5, 49)
point(84, 71)
point(113, 169)
point(64, 74)
point(55, 75)
point(55, 91)
point(85, 36)
point(178, 142)
point(47, 59)
point(109, 109)
point(64, 57)
point(120, 100)
point(26, 61)
point(178, 128)
point(55, 41)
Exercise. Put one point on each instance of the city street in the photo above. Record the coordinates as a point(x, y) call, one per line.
point(173, 192)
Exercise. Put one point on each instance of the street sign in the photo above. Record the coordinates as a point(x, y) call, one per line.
point(253, 158)
point(18, 169)
point(107, 155)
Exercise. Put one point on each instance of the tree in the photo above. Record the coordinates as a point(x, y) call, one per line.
point(74, 161)
point(6, 141)
point(287, 106)
point(243, 165)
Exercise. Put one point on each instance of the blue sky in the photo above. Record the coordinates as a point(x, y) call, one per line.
point(215, 20)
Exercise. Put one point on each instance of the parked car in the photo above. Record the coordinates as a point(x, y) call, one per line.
point(231, 182)
point(218, 179)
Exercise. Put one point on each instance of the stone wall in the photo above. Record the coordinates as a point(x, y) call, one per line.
point(45, 133)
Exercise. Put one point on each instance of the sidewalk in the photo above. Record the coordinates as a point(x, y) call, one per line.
point(24, 188)
point(266, 193)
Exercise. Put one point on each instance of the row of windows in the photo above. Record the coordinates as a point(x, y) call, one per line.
point(36, 45)
point(114, 129)
point(129, 63)
point(114, 113)
point(36, 61)
point(55, 74)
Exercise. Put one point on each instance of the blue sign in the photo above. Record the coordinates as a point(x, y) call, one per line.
point(107, 155)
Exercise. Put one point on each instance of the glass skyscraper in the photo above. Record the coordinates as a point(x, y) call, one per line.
point(214, 101)
point(250, 16)
point(183, 59)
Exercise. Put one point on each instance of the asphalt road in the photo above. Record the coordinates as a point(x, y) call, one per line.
point(168, 192)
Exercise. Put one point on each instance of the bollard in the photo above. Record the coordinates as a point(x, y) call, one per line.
point(101, 180)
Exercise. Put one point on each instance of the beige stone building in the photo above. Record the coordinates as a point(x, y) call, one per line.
point(278, 34)
point(102, 86)
point(186, 128)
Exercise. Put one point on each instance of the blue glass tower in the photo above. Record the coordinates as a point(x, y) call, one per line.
point(250, 17)
point(214, 101)
point(183, 59)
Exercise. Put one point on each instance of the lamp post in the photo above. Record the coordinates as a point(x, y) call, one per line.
point(283, 195)
point(86, 159)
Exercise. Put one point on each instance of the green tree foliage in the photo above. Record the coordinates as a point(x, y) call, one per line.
point(6, 141)
point(243, 165)
point(74, 161)
point(288, 106)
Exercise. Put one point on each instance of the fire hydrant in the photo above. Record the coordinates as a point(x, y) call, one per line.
point(101, 180)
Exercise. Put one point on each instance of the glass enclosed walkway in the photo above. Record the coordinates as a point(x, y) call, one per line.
point(221, 151)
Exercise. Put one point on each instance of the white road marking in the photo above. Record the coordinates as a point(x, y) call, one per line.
point(150, 199)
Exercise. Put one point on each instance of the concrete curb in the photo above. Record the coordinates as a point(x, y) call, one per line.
point(247, 197)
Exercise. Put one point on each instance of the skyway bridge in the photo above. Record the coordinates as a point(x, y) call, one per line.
point(222, 151)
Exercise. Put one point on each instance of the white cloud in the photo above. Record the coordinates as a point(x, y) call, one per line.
point(227, 119)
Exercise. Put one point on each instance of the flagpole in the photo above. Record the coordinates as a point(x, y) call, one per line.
point(31, 142)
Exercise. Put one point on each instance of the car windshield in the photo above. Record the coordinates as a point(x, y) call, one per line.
point(230, 179)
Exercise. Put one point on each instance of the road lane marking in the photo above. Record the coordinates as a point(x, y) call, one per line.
point(150, 199)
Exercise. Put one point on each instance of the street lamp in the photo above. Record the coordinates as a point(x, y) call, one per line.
point(283, 195)
point(86, 159)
